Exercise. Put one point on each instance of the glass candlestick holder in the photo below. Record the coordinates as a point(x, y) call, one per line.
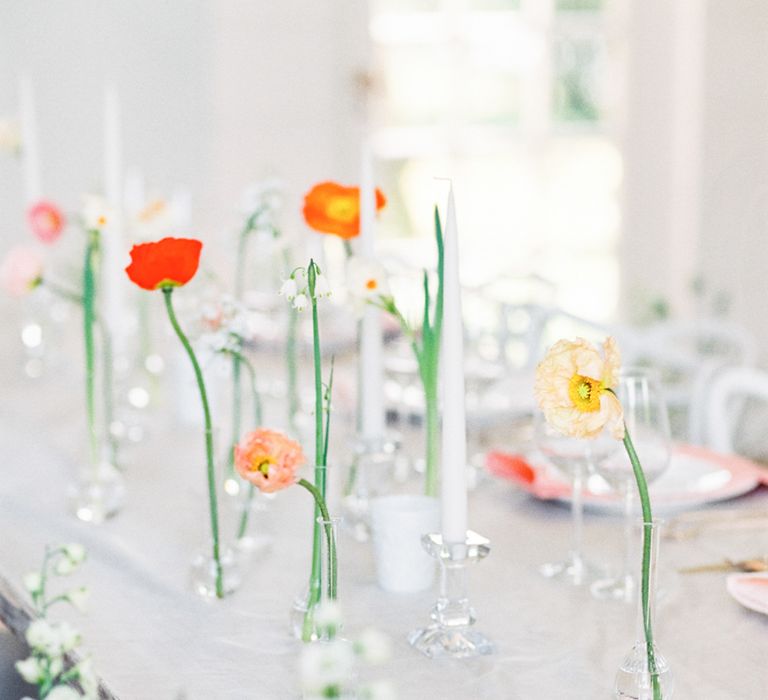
point(371, 474)
point(451, 632)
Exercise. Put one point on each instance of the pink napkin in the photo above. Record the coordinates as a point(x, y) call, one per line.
point(751, 590)
point(533, 479)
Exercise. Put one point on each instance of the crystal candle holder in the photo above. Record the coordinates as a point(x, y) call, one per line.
point(451, 632)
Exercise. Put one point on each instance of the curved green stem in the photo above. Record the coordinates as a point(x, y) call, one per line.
point(89, 315)
point(212, 501)
point(330, 540)
point(645, 586)
point(257, 419)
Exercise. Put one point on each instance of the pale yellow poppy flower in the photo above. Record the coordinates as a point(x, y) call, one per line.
point(572, 388)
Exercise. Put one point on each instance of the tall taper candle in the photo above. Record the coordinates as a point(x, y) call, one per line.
point(113, 277)
point(453, 472)
point(371, 392)
point(30, 162)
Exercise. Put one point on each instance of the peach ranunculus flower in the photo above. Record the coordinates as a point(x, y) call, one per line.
point(268, 459)
point(21, 270)
point(572, 388)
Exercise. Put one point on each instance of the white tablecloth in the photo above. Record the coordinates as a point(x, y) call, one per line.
point(152, 639)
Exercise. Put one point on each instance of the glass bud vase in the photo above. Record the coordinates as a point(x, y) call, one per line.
point(203, 572)
point(644, 674)
point(302, 610)
point(370, 475)
point(99, 491)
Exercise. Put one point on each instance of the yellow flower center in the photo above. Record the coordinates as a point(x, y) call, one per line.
point(342, 209)
point(371, 284)
point(263, 465)
point(102, 220)
point(585, 392)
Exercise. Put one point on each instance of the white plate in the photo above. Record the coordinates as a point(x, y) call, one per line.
point(695, 477)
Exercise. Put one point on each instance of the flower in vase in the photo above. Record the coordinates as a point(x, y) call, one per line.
point(169, 262)
point(268, 459)
point(96, 213)
point(261, 201)
point(366, 282)
point(46, 221)
point(574, 385)
point(296, 288)
point(10, 136)
point(21, 270)
point(333, 208)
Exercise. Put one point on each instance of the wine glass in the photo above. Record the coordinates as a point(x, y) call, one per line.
point(571, 457)
point(647, 421)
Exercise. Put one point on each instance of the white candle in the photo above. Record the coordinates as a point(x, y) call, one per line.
point(370, 394)
point(30, 162)
point(453, 474)
point(113, 275)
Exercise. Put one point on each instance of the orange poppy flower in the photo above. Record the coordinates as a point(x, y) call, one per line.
point(170, 262)
point(333, 208)
point(46, 221)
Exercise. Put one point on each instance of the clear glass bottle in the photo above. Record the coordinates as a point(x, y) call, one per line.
point(645, 674)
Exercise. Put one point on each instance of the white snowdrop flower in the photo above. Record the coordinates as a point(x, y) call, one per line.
point(64, 692)
point(41, 635)
point(30, 670)
point(79, 597)
point(64, 566)
point(75, 552)
point(33, 582)
point(326, 665)
point(374, 646)
point(327, 615)
point(322, 288)
point(96, 213)
point(68, 636)
point(289, 289)
point(300, 302)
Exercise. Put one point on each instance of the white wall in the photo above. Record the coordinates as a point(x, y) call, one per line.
point(215, 93)
point(696, 144)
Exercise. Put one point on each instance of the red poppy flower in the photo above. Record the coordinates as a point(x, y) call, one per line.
point(170, 262)
point(333, 208)
point(46, 221)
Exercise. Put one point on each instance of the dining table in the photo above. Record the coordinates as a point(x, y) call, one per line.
point(152, 638)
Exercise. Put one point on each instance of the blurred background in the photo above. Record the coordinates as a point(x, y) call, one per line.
point(616, 148)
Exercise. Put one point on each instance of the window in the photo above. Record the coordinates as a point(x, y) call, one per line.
point(517, 101)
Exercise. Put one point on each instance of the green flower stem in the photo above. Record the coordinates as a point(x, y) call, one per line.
point(330, 540)
point(212, 501)
point(432, 438)
point(242, 246)
point(89, 315)
point(257, 419)
point(645, 586)
point(426, 350)
point(237, 405)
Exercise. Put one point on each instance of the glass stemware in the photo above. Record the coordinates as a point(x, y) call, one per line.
point(646, 418)
point(572, 457)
